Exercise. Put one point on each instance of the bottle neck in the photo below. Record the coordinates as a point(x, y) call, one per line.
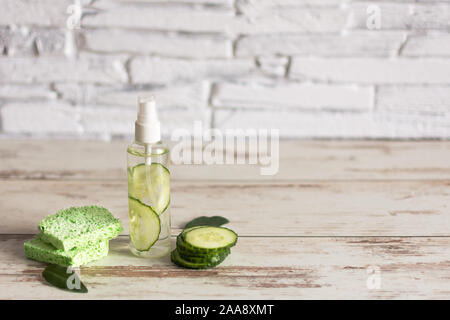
point(157, 143)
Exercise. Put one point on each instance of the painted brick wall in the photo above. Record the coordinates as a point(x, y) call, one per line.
point(312, 68)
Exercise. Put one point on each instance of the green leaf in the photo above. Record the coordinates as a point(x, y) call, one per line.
point(215, 221)
point(63, 278)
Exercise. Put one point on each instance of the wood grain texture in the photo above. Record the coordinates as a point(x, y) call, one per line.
point(269, 268)
point(299, 160)
point(334, 209)
point(321, 208)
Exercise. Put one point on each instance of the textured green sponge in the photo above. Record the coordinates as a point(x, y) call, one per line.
point(36, 249)
point(79, 227)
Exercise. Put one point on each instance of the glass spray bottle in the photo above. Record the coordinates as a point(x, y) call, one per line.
point(148, 185)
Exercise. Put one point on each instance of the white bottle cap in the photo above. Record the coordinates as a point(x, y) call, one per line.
point(147, 127)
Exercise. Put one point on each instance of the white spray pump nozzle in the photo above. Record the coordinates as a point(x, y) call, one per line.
point(147, 125)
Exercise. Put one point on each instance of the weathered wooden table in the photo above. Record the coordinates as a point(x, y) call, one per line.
point(341, 219)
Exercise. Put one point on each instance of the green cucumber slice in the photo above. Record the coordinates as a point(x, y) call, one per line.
point(204, 258)
point(209, 238)
point(144, 225)
point(194, 251)
point(150, 184)
point(178, 260)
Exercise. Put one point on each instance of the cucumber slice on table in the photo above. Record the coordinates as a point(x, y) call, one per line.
point(187, 249)
point(150, 184)
point(204, 258)
point(178, 260)
point(144, 225)
point(208, 239)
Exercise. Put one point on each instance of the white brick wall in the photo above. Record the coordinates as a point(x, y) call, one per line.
point(373, 70)
point(166, 71)
point(165, 44)
point(311, 68)
point(344, 125)
point(322, 45)
point(34, 12)
point(37, 118)
point(295, 96)
point(86, 68)
point(428, 45)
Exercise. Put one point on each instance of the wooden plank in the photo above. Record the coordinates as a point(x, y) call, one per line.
point(267, 268)
point(299, 160)
point(326, 208)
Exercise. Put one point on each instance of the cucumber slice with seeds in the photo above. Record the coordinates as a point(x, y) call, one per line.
point(208, 239)
point(144, 225)
point(193, 251)
point(150, 184)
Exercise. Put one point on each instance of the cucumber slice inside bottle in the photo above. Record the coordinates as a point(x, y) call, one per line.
point(209, 239)
point(144, 225)
point(150, 184)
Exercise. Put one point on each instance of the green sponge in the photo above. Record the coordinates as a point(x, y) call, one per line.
point(79, 227)
point(37, 249)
